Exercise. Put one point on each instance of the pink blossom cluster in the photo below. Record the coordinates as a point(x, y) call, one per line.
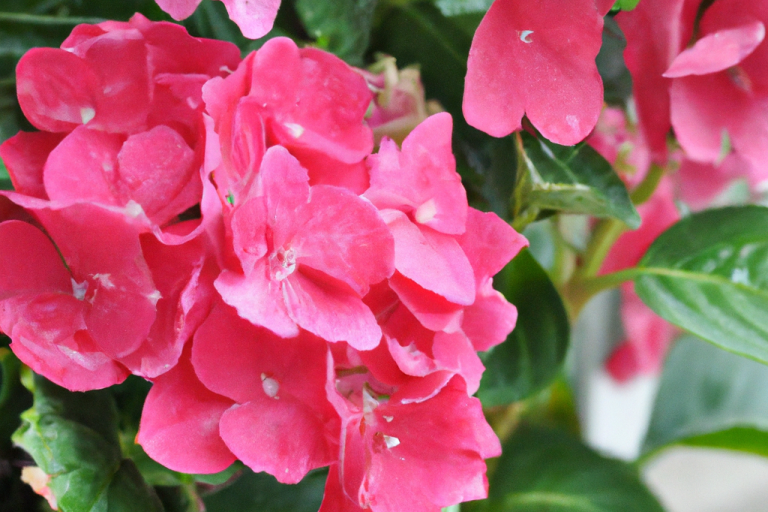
point(224, 229)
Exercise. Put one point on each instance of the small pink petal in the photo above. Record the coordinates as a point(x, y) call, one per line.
point(718, 51)
point(24, 155)
point(254, 17)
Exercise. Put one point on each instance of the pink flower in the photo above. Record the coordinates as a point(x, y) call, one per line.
point(718, 86)
point(123, 102)
point(308, 256)
point(307, 101)
point(647, 336)
point(409, 456)
point(121, 159)
point(536, 58)
point(254, 17)
point(656, 32)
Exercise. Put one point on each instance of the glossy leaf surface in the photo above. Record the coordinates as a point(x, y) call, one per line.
point(709, 275)
point(574, 180)
point(710, 397)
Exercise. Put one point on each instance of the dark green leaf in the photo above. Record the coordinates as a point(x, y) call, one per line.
point(574, 180)
point(73, 438)
point(533, 354)
point(543, 470)
point(617, 82)
point(14, 398)
point(710, 397)
point(260, 492)
point(709, 275)
point(339, 26)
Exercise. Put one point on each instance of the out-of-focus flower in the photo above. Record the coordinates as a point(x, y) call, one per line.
point(399, 105)
point(38, 480)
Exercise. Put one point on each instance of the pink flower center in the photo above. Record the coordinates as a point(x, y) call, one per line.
point(282, 263)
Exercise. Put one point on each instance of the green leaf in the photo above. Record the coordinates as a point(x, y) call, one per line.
point(340, 26)
point(544, 470)
point(574, 180)
point(73, 438)
point(709, 275)
point(617, 82)
point(260, 492)
point(533, 354)
point(456, 7)
point(710, 397)
point(625, 5)
point(14, 398)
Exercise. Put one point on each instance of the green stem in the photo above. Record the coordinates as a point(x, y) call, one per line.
point(647, 187)
point(40, 19)
point(580, 289)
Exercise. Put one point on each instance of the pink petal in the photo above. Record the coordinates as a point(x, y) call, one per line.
point(489, 243)
point(254, 17)
point(656, 32)
point(179, 9)
point(431, 259)
point(313, 100)
point(648, 339)
point(83, 168)
point(657, 214)
point(24, 155)
point(422, 179)
point(185, 282)
point(490, 319)
point(155, 168)
point(334, 498)
point(119, 58)
point(48, 335)
point(536, 58)
point(280, 436)
point(603, 6)
point(344, 237)
point(56, 89)
point(237, 369)
point(331, 313)
point(412, 471)
point(180, 423)
point(433, 310)
point(258, 299)
point(718, 51)
point(102, 250)
point(30, 262)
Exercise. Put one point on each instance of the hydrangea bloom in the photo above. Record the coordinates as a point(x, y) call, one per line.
point(297, 301)
point(254, 17)
point(538, 59)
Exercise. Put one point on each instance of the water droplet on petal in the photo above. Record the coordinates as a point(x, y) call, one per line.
point(391, 442)
point(270, 386)
point(86, 114)
point(525, 36)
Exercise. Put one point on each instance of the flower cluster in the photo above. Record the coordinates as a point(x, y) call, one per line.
point(225, 229)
